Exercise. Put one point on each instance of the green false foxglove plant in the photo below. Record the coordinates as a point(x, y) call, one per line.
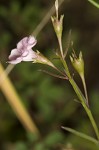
point(24, 52)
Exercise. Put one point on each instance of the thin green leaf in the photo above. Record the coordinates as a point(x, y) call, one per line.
point(82, 135)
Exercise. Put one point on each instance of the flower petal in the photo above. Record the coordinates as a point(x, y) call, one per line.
point(31, 41)
point(22, 44)
point(27, 43)
point(25, 53)
point(30, 56)
point(14, 54)
point(16, 61)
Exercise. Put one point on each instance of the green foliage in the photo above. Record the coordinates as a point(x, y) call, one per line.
point(20, 146)
point(48, 99)
point(54, 138)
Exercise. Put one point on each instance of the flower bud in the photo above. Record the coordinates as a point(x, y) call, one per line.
point(58, 25)
point(78, 63)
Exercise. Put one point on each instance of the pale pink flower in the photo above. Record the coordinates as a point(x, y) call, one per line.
point(24, 51)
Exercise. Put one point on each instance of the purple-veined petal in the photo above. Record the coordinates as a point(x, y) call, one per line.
point(14, 54)
point(25, 53)
point(22, 44)
point(16, 61)
point(31, 55)
point(32, 41)
point(27, 43)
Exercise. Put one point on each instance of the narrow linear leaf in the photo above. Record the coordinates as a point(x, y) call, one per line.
point(82, 135)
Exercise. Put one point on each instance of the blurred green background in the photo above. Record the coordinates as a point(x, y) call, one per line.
point(50, 101)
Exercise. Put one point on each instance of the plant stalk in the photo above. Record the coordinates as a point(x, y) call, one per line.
point(85, 89)
point(60, 45)
point(94, 3)
point(81, 98)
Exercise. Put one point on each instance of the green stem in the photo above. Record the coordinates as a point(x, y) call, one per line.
point(74, 85)
point(78, 91)
point(85, 89)
point(89, 113)
point(94, 3)
point(60, 45)
point(81, 98)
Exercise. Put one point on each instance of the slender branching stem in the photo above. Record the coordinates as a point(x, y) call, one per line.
point(81, 98)
point(79, 93)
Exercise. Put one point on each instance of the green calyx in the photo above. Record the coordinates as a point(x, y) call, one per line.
point(78, 63)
